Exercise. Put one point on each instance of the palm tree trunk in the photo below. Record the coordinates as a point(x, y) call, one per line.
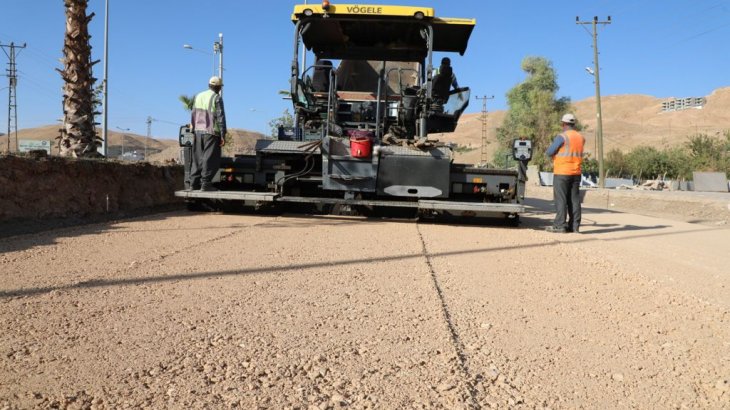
point(78, 136)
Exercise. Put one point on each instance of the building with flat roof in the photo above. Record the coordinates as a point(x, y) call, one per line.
point(679, 104)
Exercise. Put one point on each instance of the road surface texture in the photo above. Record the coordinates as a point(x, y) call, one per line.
point(183, 310)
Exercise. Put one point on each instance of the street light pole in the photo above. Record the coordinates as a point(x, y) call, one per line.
point(217, 52)
point(218, 49)
point(220, 57)
point(104, 126)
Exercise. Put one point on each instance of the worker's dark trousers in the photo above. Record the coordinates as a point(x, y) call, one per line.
point(206, 159)
point(566, 191)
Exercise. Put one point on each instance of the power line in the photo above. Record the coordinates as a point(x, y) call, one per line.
point(12, 74)
point(703, 33)
point(38, 86)
point(166, 122)
point(688, 20)
point(43, 58)
point(52, 88)
point(630, 6)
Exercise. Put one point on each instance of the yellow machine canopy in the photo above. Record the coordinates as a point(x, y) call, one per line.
point(377, 32)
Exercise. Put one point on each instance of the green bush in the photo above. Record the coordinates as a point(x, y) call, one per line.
point(615, 164)
point(700, 153)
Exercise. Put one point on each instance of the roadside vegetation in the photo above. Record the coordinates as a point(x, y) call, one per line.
point(285, 120)
point(534, 111)
point(700, 152)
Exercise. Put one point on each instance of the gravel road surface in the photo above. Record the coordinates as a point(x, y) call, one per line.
point(182, 310)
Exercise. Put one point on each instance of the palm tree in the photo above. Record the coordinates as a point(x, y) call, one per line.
point(187, 101)
point(78, 136)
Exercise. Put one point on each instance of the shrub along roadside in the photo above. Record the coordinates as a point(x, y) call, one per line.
point(701, 152)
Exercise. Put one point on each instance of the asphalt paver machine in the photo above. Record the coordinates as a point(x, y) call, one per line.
point(365, 114)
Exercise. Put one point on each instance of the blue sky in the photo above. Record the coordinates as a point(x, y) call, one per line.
point(661, 48)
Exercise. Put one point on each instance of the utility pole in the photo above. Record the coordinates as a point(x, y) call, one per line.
point(599, 116)
point(149, 135)
point(484, 127)
point(12, 74)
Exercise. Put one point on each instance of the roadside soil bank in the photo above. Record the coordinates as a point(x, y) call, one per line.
point(56, 189)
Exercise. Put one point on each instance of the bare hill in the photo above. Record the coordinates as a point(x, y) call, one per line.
point(628, 121)
point(632, 120)
point(241, 141)
point(129, 141)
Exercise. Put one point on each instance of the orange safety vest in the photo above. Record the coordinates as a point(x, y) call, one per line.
point(569, 157)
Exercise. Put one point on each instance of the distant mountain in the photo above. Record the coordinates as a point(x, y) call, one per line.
point(118, 141)
point(133, 145)
point(241, 142)
point(628, 121)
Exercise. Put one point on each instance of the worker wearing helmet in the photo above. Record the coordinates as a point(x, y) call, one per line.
point(567, 153)
point(208, 121)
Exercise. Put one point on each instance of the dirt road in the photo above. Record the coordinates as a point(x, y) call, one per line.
point(186, 310)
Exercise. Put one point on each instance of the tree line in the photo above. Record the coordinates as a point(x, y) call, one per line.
point(701, 152)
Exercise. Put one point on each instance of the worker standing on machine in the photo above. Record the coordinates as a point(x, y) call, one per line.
point(567, 153)
point(208, 121)
point(443, 81)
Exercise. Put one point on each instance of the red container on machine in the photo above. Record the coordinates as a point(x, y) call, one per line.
point(361, 147)
point(361, 143)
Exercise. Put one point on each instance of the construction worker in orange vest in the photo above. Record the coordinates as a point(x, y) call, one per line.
point(567, 153)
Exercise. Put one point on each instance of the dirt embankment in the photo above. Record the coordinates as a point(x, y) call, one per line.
point(56, 188)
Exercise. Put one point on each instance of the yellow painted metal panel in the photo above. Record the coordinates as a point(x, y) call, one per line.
point(363, 10)
point(453, 20)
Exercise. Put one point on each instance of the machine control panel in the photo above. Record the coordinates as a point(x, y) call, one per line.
point(522, 150)
point(186, 136)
